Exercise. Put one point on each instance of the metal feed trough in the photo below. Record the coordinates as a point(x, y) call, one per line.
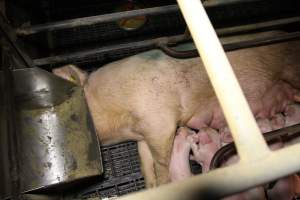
point(53, 143)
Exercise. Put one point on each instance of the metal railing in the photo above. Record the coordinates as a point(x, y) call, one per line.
point(86, 21)
point(254, 166)
point(153, 43)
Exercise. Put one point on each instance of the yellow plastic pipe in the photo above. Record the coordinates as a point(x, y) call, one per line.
point(246, 134)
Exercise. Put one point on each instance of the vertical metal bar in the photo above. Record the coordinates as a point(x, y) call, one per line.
point(11, 127)
point(239, 117)
point(7, 33)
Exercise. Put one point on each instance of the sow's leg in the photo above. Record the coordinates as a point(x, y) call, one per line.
point(159, 135)
point(147, 164)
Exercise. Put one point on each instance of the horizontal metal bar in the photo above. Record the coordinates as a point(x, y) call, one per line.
point(262, 41)
point(234, 45)
point(86, 21)
point(68, 58)
point(257, 26)
point(284, 134)
point(229, 180)
point(151, 43)
point(214, 3)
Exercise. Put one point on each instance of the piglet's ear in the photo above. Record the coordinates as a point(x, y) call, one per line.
point(71, 73)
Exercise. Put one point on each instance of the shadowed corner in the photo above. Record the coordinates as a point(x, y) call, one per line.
point(206, 193)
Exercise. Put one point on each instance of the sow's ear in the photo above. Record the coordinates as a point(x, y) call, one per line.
point(71, 73)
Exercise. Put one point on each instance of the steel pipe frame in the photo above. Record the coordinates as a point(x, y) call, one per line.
point(254, 166)
point(180, 38)
point(9, 35)
point(234, 45)
point(284, 135)
point(257, 26)
point(148, 44)
point(217, 180)
point(86, 21)
point(12, 130)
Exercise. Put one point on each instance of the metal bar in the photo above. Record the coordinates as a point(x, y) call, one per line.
point(214, 3)
point(263, 41)
point(7, 32)
point(233, 45)
point(245, 132)
point(147, 44)
point(86, 21)
point(151, 43)
point(11, 128)
point(257, 26)
point(229, 180)
point(284, 134)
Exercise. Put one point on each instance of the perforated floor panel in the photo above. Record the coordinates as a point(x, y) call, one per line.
point(122, 173)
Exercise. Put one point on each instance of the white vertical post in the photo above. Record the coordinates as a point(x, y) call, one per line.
point(246, 134)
